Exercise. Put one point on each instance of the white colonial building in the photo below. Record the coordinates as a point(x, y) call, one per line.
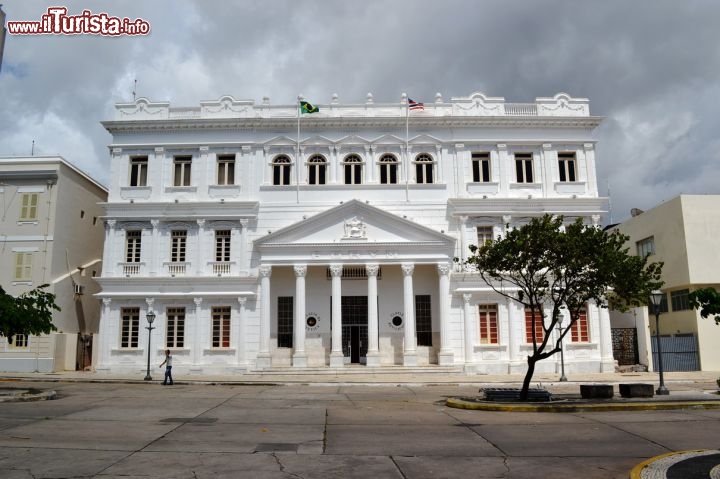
point(263, 241)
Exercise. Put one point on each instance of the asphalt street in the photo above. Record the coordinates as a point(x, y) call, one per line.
point(109, 430)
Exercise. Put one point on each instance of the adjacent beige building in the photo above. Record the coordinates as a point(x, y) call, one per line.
point(51, 233)
point(683, 233)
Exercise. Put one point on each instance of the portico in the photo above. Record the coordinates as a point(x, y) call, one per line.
point(329, 325)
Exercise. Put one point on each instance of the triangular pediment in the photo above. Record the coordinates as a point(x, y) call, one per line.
point(353, 140)
point(388, 140)
point(357, 224)
point(316, 140)
point(424, 140)
point(280, 141)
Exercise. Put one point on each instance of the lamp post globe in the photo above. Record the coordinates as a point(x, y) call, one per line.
point(656, 298)
point(150, 318)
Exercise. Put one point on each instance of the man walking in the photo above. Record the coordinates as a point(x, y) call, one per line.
point(168, 368)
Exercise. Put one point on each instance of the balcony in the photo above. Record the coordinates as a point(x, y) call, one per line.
point(177, 268)
point(132, 269)
point(221, 268)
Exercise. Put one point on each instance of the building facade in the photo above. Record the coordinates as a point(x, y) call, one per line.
point(682, 234)
point(261, 238)
point(51, 232)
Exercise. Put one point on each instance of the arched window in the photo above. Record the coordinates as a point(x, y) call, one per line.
point(316, 170)
point(281, 170)
point(388, 170)
point(353, 170)
point(424, 166)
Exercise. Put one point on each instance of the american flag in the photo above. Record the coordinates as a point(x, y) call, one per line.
point(413, 105)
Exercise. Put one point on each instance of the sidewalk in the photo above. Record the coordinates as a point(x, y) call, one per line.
point(676, 382)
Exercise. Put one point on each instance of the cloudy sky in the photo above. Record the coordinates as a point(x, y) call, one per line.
point(651, 67)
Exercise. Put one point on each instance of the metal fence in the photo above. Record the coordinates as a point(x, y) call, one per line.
point(679, 352)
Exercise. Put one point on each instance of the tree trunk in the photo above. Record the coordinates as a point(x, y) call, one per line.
point(528, 377)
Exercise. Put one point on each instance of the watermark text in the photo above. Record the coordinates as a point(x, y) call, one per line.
point(57, 22)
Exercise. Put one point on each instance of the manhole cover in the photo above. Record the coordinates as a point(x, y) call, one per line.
point(276, 447)
point(194, 420)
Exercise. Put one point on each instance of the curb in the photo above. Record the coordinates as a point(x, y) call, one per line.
point(466, 403)
point(657, 466)
point(28, 396)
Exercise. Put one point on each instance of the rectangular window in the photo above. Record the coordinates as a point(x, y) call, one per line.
point(646, 247)
point(221, 327)
point(179, 243)
point(484, 234)
point(138, 171)
point(679, 300)
point(285, 321)
point(524, 167)
point(488, 324)
point(175, 337)
point(664, 304)
point(481, 167)
point(566, 166)
point(222, 245)
point(539, 333)
point(132, 246)
point(182, 167)
point(130, 324)
point(29, 206)
point(19, 341)
point(579, 331)
point(423, 320)
point(23, 266)
point(226, 170)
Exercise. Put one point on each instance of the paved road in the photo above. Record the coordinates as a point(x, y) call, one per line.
point(332, 431)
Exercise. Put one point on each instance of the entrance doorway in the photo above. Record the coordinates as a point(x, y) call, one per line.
point(355, 328)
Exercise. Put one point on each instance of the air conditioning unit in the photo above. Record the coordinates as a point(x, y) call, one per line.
point(79, 288)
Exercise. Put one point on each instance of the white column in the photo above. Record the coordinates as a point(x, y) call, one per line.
point(156, 174)
point(336, 353)
point(592, 188)
point(463, 238)
point(469, 319)
point(334, 164)
point(369, 167)
point(111, 244)
point(241, 333)
point(506, 170)
point(267, 167)
point(104, 335)
point(516, 320)
point(263, 356)
point(460, 166)
point(409, 350)
point(548, 162)
point(244, 253)
point(197, 177)
point(445, 356)
point(200, 256)
point(607, 361)
point(196, 341)
point(373, 353)
point(154, 246)
point(299, 359)
point(439, 162)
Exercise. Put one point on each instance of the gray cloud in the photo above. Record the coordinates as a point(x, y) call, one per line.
point(650, 66)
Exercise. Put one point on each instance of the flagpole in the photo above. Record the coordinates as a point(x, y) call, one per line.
point(297, 155)
point(407, 147)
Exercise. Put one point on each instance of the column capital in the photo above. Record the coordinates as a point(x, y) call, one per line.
point(407, 268)
point(242, 300)
point(154, 223)
point(204, 149)
point(197, 301)
point(547, 146)
point(372, 269)
point(463, 219)
point(106, 302)
point(300, 270)
point(244, 222)
point(159, 150)
point(336, 270)
point(150, 302)
point(117, 151)
point(200, 223)
point(265, 270)
point(467, 297)
point(111, 223)
point(443, 269)
point(595, 220)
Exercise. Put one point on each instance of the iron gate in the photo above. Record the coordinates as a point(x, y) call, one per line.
point(679, 352)
point(625, 346)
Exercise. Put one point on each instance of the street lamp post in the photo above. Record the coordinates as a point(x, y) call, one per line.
point(563, 378)
point(656, 298)
point(150, 318)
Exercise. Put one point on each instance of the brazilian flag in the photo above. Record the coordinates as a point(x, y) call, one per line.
point(306, 107)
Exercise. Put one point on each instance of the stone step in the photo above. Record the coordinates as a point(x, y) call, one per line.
point(402, 370)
